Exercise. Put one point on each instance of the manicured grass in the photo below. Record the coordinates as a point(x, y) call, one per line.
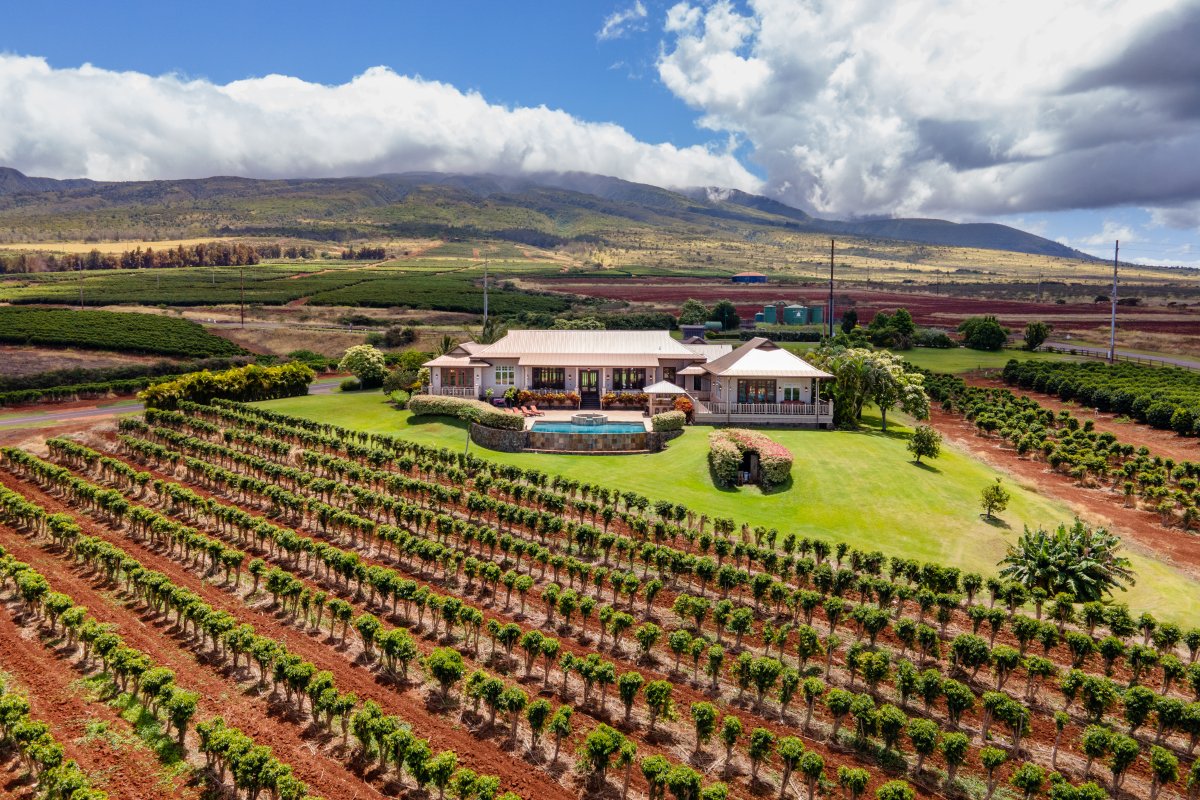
point(860, 487)
point(954, 360)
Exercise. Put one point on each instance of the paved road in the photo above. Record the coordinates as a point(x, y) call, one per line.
point(1125, 355)
point(324, 386)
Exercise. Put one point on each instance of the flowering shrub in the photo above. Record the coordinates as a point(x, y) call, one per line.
point(469, 410)
point(668, 421)
point(625, 400)
point(724, 458)
point(548, 398)
point(685, 405)
point(727, 446)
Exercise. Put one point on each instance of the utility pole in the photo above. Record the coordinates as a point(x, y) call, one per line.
point(1112, 330)
point(831, 288)
point(243, 293)
point(81, 284)
point(485, 291)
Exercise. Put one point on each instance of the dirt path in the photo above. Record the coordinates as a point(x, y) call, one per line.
point(123, 767)
point(1142, 530)
point(351, 675)
point(1164, 443)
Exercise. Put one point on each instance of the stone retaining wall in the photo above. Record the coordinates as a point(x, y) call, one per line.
point(497, 439)
point(582, 443)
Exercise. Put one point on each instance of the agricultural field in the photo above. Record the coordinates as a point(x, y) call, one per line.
point(440, 285)
point(1162, 397)
point(338, 585)
point(106, 330)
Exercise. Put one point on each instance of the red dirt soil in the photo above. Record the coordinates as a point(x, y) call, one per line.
point(350, 677)
point(1142, 529)
point(1161, 443)
point(257, 716)
point(927, 309)
point(46, 678)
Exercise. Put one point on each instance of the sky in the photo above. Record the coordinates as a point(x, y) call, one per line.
point(1078, 120)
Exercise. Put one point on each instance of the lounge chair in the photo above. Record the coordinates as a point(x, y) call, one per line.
point(526, 411)
point(535, 411)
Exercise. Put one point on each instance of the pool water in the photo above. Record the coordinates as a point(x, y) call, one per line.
point(608, 427)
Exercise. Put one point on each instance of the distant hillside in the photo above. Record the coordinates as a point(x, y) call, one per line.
point(547, 209)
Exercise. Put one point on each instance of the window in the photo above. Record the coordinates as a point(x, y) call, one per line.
point(791, 394)
point(625, 380)
point(549, 378)
point(697, 383)
point(756, 391)
point(458, 377)
point(506, 375)
point(669, 374)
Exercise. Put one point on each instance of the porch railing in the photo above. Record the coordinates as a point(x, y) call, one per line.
point(770, 409)
point(457, 391)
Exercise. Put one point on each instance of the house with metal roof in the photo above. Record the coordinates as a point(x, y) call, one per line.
point(758, 382)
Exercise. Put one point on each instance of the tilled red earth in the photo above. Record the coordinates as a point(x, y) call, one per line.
point(1143, 528)
point(46, 678)
point(927, 308)
point(351, 676)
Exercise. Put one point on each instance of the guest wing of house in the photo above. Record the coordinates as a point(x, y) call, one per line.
point(755, 382)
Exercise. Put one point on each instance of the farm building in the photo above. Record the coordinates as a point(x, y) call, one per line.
point(749, 277)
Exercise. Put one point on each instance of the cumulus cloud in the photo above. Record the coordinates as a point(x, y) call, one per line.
point(95, 123)
point(862, 107)
point(623, 21)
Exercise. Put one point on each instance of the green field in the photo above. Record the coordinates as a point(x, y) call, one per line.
point(860, 487)
point(441, 285)
point(954, 360)
point(108, 330)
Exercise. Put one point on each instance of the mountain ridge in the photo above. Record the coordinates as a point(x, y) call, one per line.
point(553, 207)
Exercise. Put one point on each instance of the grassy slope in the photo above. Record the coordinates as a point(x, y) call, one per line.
point(954, 360)
point(859, 487)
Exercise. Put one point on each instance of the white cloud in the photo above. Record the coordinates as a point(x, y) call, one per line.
point(1111, 231)
point(96, 123)
point(949, 107)
point(623, 21)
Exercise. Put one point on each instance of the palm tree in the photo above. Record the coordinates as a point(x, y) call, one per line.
point(1079, 560)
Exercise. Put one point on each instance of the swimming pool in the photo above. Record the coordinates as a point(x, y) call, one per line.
point(607, 427)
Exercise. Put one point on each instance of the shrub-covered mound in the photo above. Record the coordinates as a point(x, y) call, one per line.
point(728, 445)
point(470, 410)
point(244, 384)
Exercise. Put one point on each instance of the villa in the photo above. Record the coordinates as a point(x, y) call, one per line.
point(755, 383)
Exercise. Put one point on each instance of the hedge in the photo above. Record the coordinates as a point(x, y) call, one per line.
point(724, 458)
point(243, 384)
point(1162, 397)
point(465, 409)
point(668, 421)
point(727, 446)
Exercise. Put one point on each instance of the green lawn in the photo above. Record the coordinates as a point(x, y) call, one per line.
point(860, 487)
point(954, 360)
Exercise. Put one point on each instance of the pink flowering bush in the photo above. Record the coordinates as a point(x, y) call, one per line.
point(728, 445)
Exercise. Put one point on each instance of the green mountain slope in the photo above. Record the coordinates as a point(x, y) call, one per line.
point(544, 210)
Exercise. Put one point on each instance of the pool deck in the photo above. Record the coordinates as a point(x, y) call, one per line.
point(565, 414)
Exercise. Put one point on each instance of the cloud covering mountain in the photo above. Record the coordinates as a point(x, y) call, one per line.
point(105, 125)
point(929, 107)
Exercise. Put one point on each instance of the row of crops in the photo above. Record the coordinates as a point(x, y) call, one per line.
point(1169, 487)
point(110, 330)
point(381, 287)
point(1014, 687)
point(130, 670)
point(1163, 397)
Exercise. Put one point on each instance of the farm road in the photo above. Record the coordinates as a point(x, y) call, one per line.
point(24, 419)
point(1125, 355)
